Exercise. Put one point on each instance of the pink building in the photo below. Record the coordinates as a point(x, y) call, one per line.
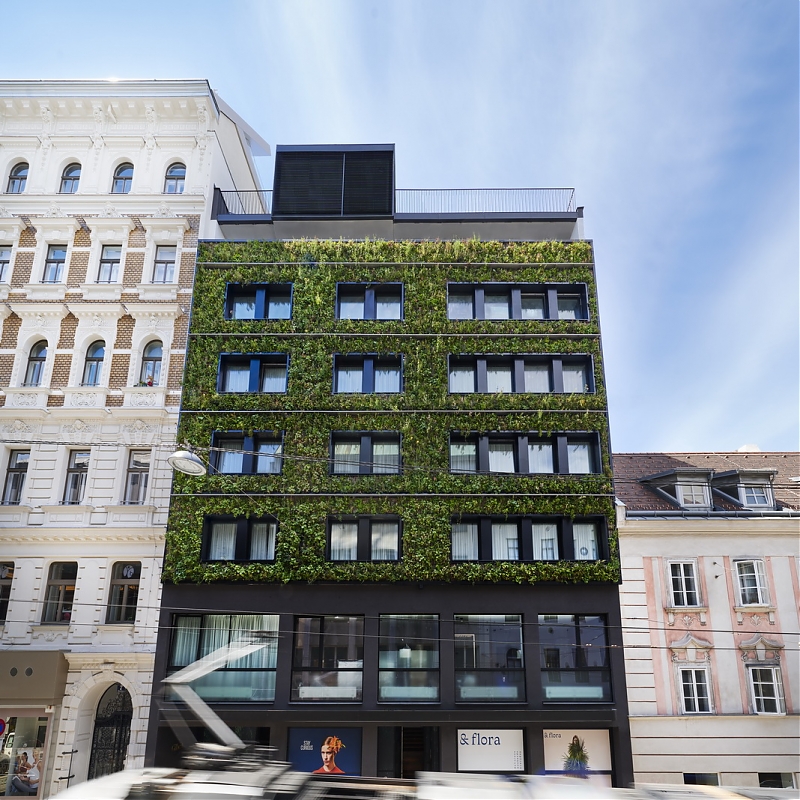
point(709, 546)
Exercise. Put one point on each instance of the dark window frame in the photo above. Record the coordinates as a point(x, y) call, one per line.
point(560, 443)
point(74, 494)
point(55, 265)
point(137, 478)
point(161, 265)
point(117, 612)
point(16, 478)
point(550, 291)
point(93, 364)
point(34, 369)
point(480, 363)
point(120, 183)
point(525, 543)
point(263, 293)
point(366, 440)
point(5, 262)
point(250, 455)
point(175, 178)
point(58, 611)
point(371, 293)
point(388, 636)
point(369, 362)
point(150, 370)
point(364, 538)
point(70, 182)
point(243, 541)
point(111, 265)
point(18, 178)
point(6, 579)
point(256, 361)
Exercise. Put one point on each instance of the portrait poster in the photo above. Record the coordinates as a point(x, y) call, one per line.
point(578, 753)
point(325, 751)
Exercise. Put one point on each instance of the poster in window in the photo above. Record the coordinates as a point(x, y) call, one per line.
point(575, 753)
point(325, 751)
point(491, 750)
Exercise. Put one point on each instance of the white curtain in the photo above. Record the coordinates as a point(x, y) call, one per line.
point(579, 458)
point(496, 306)
point(462, 380)
point(216, 633)
point(505, 541)
point(349, 379)
point(501, 456)
point(387, 308)
point(465, 541)
point(463, 457)
point(459, 305)
point(223, 542)
point(262, 541)
point(387, 379)
point(184, 642)
point(574, 378)
point(385, 541)
point(242, 626)
point(236, 378)
point(569, 307)
point(545, 542)
point(385, 458)
point(537, 378)
point(273, 378)
point(540, 457)
point(230, 458)
point(344, 541)
point(584, 537)
point(346, 457)
point(268, 461)
point(532, 306)
point(498, 378)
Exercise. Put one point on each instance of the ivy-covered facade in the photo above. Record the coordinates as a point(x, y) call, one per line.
point(409, 485)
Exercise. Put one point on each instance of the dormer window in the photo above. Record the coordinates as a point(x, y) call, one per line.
point(686, 487)
point(693, 495)
point(756, 496)
point(750, 488)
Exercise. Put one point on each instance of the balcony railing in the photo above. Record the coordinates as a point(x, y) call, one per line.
point(434, 202)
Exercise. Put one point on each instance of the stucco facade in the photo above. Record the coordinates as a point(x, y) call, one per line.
point(105, 188)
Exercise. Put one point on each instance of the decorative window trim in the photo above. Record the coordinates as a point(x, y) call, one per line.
point(705, 670)
point(777, 684)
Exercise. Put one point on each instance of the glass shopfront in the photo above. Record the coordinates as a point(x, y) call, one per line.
point(22, 749)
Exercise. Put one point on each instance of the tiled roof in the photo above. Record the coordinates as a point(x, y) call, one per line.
point(630, 468)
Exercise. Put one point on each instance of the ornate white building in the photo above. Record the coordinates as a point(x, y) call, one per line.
point(105, 188)
point(711, 626)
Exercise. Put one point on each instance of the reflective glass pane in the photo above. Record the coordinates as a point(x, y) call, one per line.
point(499, 378)
point(533, 306)
point(579, 458)
point(496, 305)
point(460, 304)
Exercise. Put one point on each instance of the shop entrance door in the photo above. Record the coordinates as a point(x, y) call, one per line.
point(403, 752)
point(112, 732)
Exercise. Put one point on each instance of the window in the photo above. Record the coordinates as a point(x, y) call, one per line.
point(5, 261)
point(125, 579)
point(526, 454)
point(775, 780)
point(17, 179)
point(54, 263)
point(253, 373)
point(77, 469)
point(256, 454)
point(70, 178)
point(328, 661)
point(164, 264)
point(408, 658)
point(684, 584)
point(364, 539)
point(109, 264)
point(93, 368)
point(150, 374)
point(174, 179)
point(752, 582)
point(519, 374)
point(368, 374)
point(701, 779)
point(6, 577)
point(693, 495)
point(488, 658)
point(574, 658)
point(259, 301)
point(15, 476)
point(247, 679)
point(123, 178)
point(492, 301)
point(60, 592)
point(766, 690)
point(369, 301)
point(137, 477)
point(525, 539)
point(37, 358)
point(355, 453)
point(239, 539)
point(694, 691)
point(756, 496)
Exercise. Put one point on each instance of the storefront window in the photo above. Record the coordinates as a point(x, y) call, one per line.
point(22, 749)
point(409, 658)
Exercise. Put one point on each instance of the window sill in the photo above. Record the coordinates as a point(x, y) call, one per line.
point(755, 609)
point(46, 291)
point(101, 291)
point(158, 291)
point(144, 396)
point(26, 396)
point(84, 396)
point(677, 612)
point(5, 288)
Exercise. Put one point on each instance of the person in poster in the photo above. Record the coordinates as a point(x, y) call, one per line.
point(576, 759)
point(330, 747)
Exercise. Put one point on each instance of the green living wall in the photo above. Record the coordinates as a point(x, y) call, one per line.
point(425, 496)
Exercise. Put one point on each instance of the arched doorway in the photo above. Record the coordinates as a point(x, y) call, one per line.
point(112, 732)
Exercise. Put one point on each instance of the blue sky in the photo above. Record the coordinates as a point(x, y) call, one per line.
point(675, 120)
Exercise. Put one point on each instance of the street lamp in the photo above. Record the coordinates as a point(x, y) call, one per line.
point(187, 462)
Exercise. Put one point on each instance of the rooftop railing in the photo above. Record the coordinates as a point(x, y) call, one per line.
point(424, 201)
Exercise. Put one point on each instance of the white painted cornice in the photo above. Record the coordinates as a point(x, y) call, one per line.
point(34, 310)
point(109, 229)
point(10, 228)
point(55, 229)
